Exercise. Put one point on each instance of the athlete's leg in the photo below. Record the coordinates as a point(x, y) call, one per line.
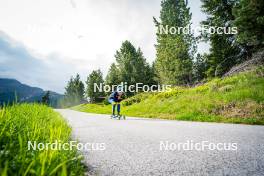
point(113, 105)
point(113, 108)
point(118, 108)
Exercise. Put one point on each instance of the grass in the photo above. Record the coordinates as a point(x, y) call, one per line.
point(236, 99)
point(21, 123)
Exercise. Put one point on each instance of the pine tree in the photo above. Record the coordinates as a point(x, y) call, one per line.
point(112, 77)
point(46, 98)
point(95, 78)
point(200, 67)
point(74, 91)
point(150, 76)
point(140, 67)
point(249, 19)
point(79, 88)
point(224, 51)
point(131, 64)
point(70, 91)
point(174, 51)
point(131, 67)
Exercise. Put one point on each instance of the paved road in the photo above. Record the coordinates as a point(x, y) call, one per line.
point(132, 147)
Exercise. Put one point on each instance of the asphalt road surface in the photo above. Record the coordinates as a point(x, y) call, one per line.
point(138, 146)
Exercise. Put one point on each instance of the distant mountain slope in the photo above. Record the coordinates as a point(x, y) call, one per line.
point(11, 89)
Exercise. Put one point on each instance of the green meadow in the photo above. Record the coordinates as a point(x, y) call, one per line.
point(21, 123)
point(235, 99)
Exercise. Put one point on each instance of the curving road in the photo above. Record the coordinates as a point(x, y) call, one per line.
point(138, 146)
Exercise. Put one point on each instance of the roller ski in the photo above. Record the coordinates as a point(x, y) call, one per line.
point(118, 117)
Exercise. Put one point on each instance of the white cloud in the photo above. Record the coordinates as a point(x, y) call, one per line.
point(47, 72)
point(79, 35)
point(91, 28)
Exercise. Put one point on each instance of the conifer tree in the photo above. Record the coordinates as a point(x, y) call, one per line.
point(224, 51)
point(131, 64)
point(46, 98)
point(74, 91)
point(249, 19)
point(174, 51)
point(92, 93)
point(112, 77)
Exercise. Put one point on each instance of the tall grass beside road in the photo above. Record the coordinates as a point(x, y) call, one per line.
point(21, 123)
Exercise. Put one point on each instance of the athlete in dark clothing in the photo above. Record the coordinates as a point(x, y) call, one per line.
point(115, 99)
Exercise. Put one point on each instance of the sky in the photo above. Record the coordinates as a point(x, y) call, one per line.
point(44, 42)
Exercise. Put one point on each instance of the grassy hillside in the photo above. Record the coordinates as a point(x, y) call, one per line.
point(236, 99)
point(32, 122)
